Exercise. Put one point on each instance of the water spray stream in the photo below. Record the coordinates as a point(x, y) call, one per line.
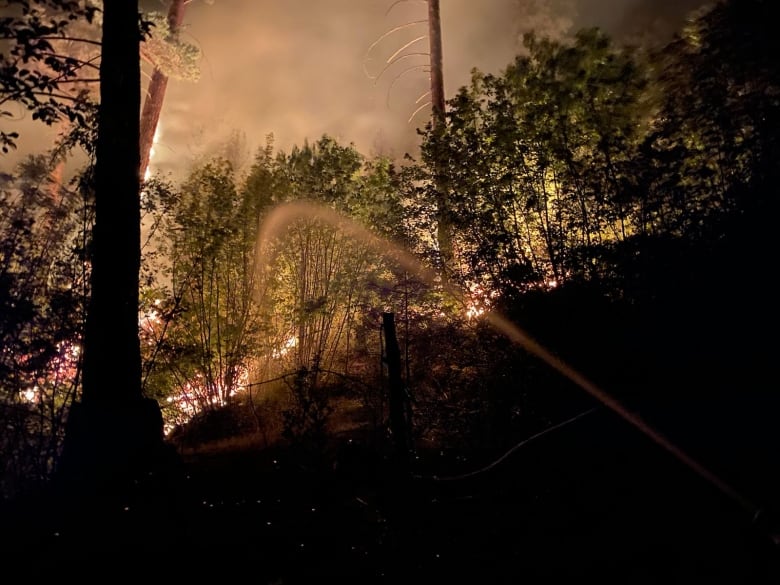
point(284, 215)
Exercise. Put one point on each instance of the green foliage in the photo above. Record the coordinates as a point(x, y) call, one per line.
point(202, 325)
point(539, 161)
point(35, 71)
point(305, 420)
point(43, 291)
point(714, 141)
point(583, 183)
point(319, 280)
point(167, 52)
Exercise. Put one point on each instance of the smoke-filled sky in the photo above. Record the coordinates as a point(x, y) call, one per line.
point(297, 68)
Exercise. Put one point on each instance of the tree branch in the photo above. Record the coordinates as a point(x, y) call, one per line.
point(72, 39)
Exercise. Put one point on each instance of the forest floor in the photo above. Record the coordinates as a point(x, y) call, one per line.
point(593, 502)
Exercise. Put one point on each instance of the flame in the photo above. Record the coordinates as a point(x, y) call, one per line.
point(155, 140)
point(478, 301)
point(285, 349)
point(61, 369)
point(194, 395)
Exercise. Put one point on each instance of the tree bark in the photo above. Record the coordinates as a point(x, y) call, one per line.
point(112, 355)
point(444, 224)
point(155, 93)
point(113, 430)
point(437, 62)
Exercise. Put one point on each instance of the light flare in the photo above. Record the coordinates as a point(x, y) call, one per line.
point(285, 349)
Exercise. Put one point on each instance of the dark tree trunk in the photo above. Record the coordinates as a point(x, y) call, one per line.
point(113, 428)
point(399, 420)
point(112, 355)
point(155, 93)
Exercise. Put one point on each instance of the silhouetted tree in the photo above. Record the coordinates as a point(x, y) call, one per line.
point(114, 430)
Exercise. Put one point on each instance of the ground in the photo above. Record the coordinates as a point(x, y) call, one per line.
point(595, 502)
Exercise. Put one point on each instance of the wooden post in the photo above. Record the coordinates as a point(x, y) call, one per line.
point(399, 426)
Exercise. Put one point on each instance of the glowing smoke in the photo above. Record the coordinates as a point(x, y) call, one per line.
point(295, 68)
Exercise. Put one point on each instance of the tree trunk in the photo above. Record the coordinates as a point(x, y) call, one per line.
point(112, 356)
point(113, 429)
point(155, 93)
point(444, 224)
point(437, 61)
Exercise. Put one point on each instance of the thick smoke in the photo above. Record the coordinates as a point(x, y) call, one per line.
point(301, 68)
point(298, 69)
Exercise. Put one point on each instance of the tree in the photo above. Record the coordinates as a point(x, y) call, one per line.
point(52, 63)
point(316, 284)
point(43, 286)
point(435, 68)
point(717, 125)
point(207, 332)
point(114, 430)
point(438, 122)
point(170, 57)
point(538, 161)
point(205, 318)
point(34, 71)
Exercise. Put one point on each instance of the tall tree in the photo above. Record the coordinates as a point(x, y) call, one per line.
point(444, 223)
point(437, 61)
point(112, 354)
point(155, 93)
point(36, 71)
point(113, 427)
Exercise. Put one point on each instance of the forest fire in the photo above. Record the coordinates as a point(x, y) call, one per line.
point(457, 354)
point(60, 372)
point(152, 152)
point(479, 300)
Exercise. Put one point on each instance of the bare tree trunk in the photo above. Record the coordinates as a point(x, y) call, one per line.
point(155, 93)
point(437, 61)
point(444, 223)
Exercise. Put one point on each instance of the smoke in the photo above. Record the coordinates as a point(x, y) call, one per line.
point(654, 21)
point(301, 68)
point(297, 68)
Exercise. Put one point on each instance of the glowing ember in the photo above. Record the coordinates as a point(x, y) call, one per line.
point(155, 140)
point(30, 395)
point(285, 349)
point(197, 394)
point(61, 369)
point(478, 301)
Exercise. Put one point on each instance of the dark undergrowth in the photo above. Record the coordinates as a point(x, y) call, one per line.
point(592, 502)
